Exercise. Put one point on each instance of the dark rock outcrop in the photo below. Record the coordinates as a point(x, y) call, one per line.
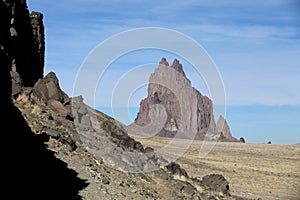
point(215, 182)
point(37, 24)
point(184, 111)
point(22, 41)
point(31, 170)
point(242, 140)
point(48, 88)
point(175, 169)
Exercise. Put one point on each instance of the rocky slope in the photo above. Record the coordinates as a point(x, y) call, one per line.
point(97, 147)
point(182, 109)
point(64, 149)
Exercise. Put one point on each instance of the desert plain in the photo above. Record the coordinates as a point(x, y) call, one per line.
point(265, 171)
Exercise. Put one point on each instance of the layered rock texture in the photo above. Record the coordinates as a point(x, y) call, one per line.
point(183, 111)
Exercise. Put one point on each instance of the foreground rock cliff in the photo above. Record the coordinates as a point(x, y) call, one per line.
point(57, 147)
point(184, 111)
point(30, 170)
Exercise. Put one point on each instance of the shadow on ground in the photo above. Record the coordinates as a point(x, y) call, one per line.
point(31, 170)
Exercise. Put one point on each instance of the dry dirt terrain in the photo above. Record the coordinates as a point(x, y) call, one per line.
point(266, 171)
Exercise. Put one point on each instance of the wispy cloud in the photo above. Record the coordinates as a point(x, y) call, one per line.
point(244, 31)
point(240, 35)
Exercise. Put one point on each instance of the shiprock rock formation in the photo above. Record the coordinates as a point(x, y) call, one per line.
point(183, 111)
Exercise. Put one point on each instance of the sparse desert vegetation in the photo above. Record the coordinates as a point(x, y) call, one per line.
point(266, 171)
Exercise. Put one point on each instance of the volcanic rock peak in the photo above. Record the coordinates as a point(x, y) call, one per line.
point(187, 111)
point(175, 65)
point(164, 62)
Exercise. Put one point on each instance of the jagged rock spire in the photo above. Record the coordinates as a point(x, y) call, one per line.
point(176, 65)
point(164, 62)
point(223, 127)
point(188, 111)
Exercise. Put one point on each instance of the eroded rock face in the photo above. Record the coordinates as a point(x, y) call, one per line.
point(188, 113)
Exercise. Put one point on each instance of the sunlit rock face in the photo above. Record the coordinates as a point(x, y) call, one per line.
point(182, 110)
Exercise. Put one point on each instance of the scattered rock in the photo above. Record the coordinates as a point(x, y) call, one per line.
point(215, 182)
point(105, 180)
point(175, 169)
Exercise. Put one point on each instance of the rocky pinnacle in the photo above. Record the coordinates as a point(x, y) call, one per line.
point(185, 112)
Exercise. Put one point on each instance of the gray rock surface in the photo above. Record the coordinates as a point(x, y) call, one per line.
point(215, 182)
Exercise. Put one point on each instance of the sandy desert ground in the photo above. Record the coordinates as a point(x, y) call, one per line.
point(266, 171)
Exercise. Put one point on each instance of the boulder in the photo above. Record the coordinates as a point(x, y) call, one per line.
point(216, 183)
point(48, 89)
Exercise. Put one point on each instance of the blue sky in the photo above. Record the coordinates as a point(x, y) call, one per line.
point(255, 45)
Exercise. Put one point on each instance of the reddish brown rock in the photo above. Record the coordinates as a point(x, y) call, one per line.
point(57, 107)
point(164, 62)
point(181, 109)
point(48, 89)
point(187, 112)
